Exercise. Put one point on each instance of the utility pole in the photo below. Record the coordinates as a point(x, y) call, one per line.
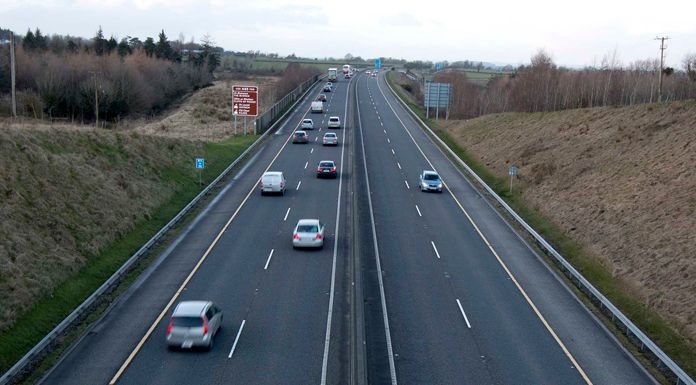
point(662, 61)
point(96, 99)
point(12, 70)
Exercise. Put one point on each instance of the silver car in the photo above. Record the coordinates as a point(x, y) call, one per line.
point(308, 233)
point(430, 181)
point(334, 122)
point(329, 139)
point(194, 324)
point(307, 124)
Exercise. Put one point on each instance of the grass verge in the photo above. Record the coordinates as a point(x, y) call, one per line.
point(679, 348)
point(41, 318)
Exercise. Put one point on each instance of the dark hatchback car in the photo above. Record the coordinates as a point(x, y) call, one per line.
point(321, 97)
point(326, 169)
point(299, 137)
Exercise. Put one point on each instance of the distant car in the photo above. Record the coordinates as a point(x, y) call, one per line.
point(330, 139)
point(346, 76)
point(321, 97)
point(430, 181)
point(327, 87)
point(308, 233)
point(326, 168)
point(307, 124)
point(334, 122)
point(273, 182)
point(194, 324)
point(299, 137)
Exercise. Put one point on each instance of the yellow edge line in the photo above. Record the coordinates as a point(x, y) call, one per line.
point(500, 261)
point(140, 344)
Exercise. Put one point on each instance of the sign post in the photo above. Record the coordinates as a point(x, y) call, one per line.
point(512, 171)
point(200, 164)
point(245, 100)
point(378, 63)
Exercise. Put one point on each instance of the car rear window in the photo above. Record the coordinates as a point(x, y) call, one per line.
point(307, 121)
point(326, 164)
point(329, 135)
point(333, 119)
point(431, 177)
point(187, 322)
point(299, 134)
point(307, 229)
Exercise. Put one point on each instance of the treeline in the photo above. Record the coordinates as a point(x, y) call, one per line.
point(64, 76)
point(294, 75)
point(542, 86)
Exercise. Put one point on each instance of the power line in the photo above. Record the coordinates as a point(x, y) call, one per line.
point(662, 61)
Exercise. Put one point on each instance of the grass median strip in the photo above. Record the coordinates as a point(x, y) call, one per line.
point(679, 348)
point(39, 319)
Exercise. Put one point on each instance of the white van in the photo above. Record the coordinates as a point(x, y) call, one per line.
point(317, 107)
point(273, 182)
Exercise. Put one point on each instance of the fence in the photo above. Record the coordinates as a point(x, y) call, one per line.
point(21, 367)
point(659, 359)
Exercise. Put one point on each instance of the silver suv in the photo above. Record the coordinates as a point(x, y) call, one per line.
point(194, 324)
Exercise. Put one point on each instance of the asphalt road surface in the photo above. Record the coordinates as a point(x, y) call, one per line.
point(447, 292)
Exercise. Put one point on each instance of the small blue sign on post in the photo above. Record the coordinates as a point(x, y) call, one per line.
point(200, 163)
point(378, 63)
point(438, 66)
point(512, 171)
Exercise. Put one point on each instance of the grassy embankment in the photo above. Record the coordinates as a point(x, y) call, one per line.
point(672, 338)
point(79, 203)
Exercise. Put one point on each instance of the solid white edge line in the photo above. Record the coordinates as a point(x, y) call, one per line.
point(463, 314)
point(239, 333)
point(298, 185)
point(407, 186)
point(385, 318)
point(419, 213)
point(270, 255)
point(327, 340)
point(435, 248)
point(286, 214)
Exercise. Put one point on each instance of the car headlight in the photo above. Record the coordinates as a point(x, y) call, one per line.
point(439, 185)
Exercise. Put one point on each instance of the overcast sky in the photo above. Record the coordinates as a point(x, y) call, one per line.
point(575, 33)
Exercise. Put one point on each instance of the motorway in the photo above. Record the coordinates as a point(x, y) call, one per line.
point(449, 293)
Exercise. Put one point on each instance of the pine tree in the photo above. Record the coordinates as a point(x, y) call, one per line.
point(40, 42)
point(164, 48)
point(123, 48)
point(149, 46)
point(99, 42)
point(29, 42)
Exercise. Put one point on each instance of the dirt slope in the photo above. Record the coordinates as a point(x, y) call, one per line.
point(620, 181)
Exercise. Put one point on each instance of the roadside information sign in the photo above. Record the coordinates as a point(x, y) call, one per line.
point(512, 170)
point(378, 63)
point(200, 163)
point(245, 100)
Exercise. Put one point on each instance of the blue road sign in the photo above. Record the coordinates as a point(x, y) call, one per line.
point(200, 163)
point(438, 66)
point(378, 63)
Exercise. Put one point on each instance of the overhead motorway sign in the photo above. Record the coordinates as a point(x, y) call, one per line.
point(200, 163)
point(245, 100)
point(378, 63)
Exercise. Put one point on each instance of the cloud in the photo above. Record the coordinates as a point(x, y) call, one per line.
point(400, 19)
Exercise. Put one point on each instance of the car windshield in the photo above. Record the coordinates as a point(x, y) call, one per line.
point(431, 177)
point(326, 164)
point(307, 121)
point(307, 229)
point(334, 119)
point(187, 322)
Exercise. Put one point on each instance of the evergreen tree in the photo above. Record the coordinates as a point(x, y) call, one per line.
point(40, 41)
point(164, 48)
point(123, 48)
point(72, 47)
point(111, 45)
point(134, 43)
point(29, 42)
point(99, 42)
point(149, 46)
